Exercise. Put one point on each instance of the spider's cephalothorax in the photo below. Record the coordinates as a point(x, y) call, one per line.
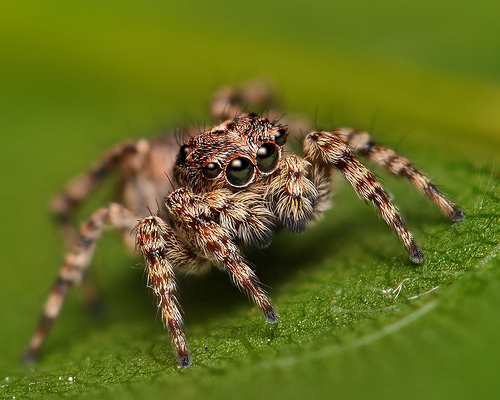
point(238, 153)
point(234, 184)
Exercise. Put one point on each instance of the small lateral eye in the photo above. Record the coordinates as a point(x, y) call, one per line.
point(183, 151)
point(211, 170)
point(267, 157)
point(281, 137)
point(239, 171)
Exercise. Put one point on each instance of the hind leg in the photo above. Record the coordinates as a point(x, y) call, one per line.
point(256, 97)
point(78, 190)
point(75, 266)
point(229, 102)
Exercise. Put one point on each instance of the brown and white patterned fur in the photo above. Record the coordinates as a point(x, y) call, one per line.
point(231, 185)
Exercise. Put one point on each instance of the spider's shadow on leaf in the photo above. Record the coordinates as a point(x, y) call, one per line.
point(205, 297)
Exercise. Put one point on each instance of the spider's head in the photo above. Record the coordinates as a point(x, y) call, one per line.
point(236, 154)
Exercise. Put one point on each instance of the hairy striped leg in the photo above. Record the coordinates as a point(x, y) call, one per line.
point(75, 266)
point(65, 203)
point(193, 216)
point(157, 242)
point(327, 148)
point(362, 143)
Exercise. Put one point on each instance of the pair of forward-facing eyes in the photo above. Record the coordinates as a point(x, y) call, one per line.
point(241, 170)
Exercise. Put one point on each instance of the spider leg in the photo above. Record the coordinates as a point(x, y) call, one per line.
point(362, 143)
point(76, 191)
point(257, 97)
point(229, 102)
point(74, 267)
point(193, 217)
point(123, 156)
point(161, 250)
point(326, 148)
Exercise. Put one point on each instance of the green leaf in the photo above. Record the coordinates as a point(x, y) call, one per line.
point(357, 318)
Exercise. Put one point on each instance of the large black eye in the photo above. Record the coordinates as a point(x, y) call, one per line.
point(239, 171)
point(267, 157)
point(181, 157)
point(281, 136)
point(211, 170)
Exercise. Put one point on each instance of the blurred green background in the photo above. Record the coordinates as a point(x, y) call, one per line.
point(77, 77)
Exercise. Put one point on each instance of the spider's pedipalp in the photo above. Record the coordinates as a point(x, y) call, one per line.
point(243, 214)
point(293, 195)
point(326, 147)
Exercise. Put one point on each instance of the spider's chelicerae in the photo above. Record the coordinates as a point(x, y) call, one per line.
point(228, 186)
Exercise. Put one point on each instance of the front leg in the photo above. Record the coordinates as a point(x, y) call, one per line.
point(193, 215)
point(325, 148)
point(157, 241)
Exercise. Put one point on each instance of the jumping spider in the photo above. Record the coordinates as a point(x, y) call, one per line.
point(231, 185)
